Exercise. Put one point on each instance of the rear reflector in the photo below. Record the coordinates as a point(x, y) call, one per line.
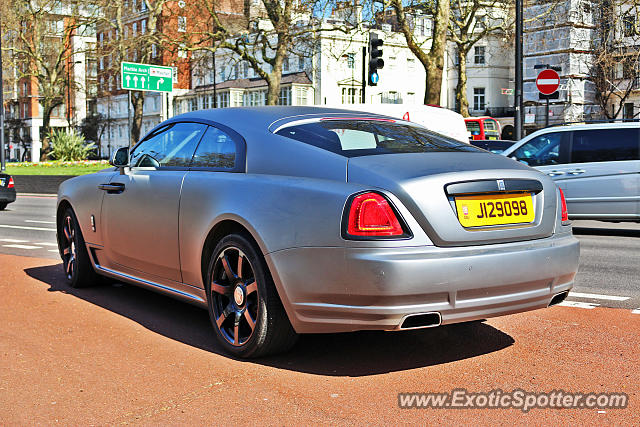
point(565, 212)
point(11, 184)
point(371, 215)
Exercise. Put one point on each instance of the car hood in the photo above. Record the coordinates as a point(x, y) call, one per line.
point(420, 181)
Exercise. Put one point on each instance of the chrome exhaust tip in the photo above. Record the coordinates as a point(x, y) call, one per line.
point(558, 298)
point(421, 320)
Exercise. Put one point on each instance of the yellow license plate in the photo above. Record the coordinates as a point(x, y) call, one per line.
point(495, 209)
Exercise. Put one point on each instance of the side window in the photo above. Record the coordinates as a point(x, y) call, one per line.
point(216, 150)
point(170, 146)
point(604, 145)
point(547, 149)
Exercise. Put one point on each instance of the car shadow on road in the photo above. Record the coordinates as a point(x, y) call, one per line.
point(346, 354)
point(601, 231)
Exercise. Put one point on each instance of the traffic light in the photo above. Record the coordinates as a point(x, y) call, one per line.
point(375, 58)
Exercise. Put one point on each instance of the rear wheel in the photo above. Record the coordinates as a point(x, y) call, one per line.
point(245, 310)
point(75, 258)
point(3, 205)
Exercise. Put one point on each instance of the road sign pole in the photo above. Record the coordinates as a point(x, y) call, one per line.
point(364, 72)
point(546, 115)
point(129, 114)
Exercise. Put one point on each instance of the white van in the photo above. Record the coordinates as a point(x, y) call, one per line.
point(437, 119)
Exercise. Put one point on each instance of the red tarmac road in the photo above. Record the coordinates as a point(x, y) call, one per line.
point(119, 354)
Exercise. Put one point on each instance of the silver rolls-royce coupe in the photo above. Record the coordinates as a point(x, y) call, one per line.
point(289, 220)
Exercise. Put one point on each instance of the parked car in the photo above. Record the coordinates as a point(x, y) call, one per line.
point(596, 165)
point(483, 127)
point(494, 145)
point(437, 119)
point(288, 220)
point(7, 190)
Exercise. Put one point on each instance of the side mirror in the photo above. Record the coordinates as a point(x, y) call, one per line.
point(120, 157)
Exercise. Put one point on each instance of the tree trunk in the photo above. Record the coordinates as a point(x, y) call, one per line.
point(46, 130)
point(461, 87)
point(137, 103)
point(435, 66)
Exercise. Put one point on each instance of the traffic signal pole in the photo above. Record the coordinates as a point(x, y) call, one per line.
point(364, 73)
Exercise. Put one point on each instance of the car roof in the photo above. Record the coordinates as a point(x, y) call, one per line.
point(265, 117)
point(568, 128)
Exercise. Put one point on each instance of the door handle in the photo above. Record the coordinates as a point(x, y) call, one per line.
point(576, 172)
point(555, 173)
point(114, 188)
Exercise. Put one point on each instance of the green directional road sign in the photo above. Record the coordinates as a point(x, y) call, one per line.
point(155, 78)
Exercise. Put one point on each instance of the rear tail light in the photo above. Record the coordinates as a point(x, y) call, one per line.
point(11, 184)
point(371, 215)
point(565, 212)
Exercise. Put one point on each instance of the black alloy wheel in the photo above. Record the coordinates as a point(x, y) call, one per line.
point(234, 295)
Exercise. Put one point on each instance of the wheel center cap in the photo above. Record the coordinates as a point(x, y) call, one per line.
point(238, 296)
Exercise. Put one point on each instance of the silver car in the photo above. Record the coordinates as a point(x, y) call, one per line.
point(289, 220)
point(597, 166)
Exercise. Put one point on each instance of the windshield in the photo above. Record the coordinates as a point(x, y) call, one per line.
point(353, 138)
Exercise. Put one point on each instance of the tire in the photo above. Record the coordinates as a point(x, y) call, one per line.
point(73, 251)
point(244, 307)
point(3, 205)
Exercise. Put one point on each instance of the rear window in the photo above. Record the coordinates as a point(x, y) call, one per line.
point(352, 138)
point(473, 127)
point(490, 125)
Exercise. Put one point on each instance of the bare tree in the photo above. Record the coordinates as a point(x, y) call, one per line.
point(121, 43)
point(433, 59)
point(41, 49)
point(471, 21)
point(616, 56)
point(264, 35)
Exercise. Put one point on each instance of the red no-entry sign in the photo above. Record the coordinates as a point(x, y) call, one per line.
point(547, 82)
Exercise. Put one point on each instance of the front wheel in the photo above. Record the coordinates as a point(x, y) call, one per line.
point(245, 309)
point(75, 258)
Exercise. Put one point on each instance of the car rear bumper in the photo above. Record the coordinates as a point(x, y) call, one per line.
point(7, 195)
point(349, 289)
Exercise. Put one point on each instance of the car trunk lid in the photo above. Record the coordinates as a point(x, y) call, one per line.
point(432, 186)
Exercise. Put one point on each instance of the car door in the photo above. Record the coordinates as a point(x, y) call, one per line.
point(548, 153)
point(604, 178)
point(140, 209)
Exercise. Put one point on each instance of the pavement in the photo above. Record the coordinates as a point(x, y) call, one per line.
point(123, 355)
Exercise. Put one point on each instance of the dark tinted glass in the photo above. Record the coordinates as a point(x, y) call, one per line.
point(542, 150)
point(353, 138)
point(170, 146)
point(494, 146)
point(604, 145)
point(216, 150)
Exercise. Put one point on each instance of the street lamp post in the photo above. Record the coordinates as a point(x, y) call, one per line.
point(518, 95)
point(2, 159)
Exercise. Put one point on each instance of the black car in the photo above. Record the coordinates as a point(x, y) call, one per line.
point(494, 145)
point(7, 190)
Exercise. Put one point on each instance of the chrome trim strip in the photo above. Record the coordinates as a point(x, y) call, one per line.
point(148, 283)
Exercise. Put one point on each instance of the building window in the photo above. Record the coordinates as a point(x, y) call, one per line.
point(25, 89)
point(285, 65)
point(285, 96)
point(223, 100)
point(301, 96)
point(245, 69)
point(392, 62)
point(134, 29)
point(193, 104)
point(478, 56)
point(351, 95)
point(300, 62)
point(154, 51)
point(143, 25)
point(628, 111)
point(205, 102)
point(478, 99)
point(182, 24)
point(391, 97)
point(411, 64)
point(629, 25)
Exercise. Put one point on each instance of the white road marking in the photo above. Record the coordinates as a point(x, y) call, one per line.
point(46, 244)
point(52, 250)
point(14, 240)
point(22, 227)
point(22, 246)
point(636, 311)
point(39, 222)
point(598, 296)
point(577, 304)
